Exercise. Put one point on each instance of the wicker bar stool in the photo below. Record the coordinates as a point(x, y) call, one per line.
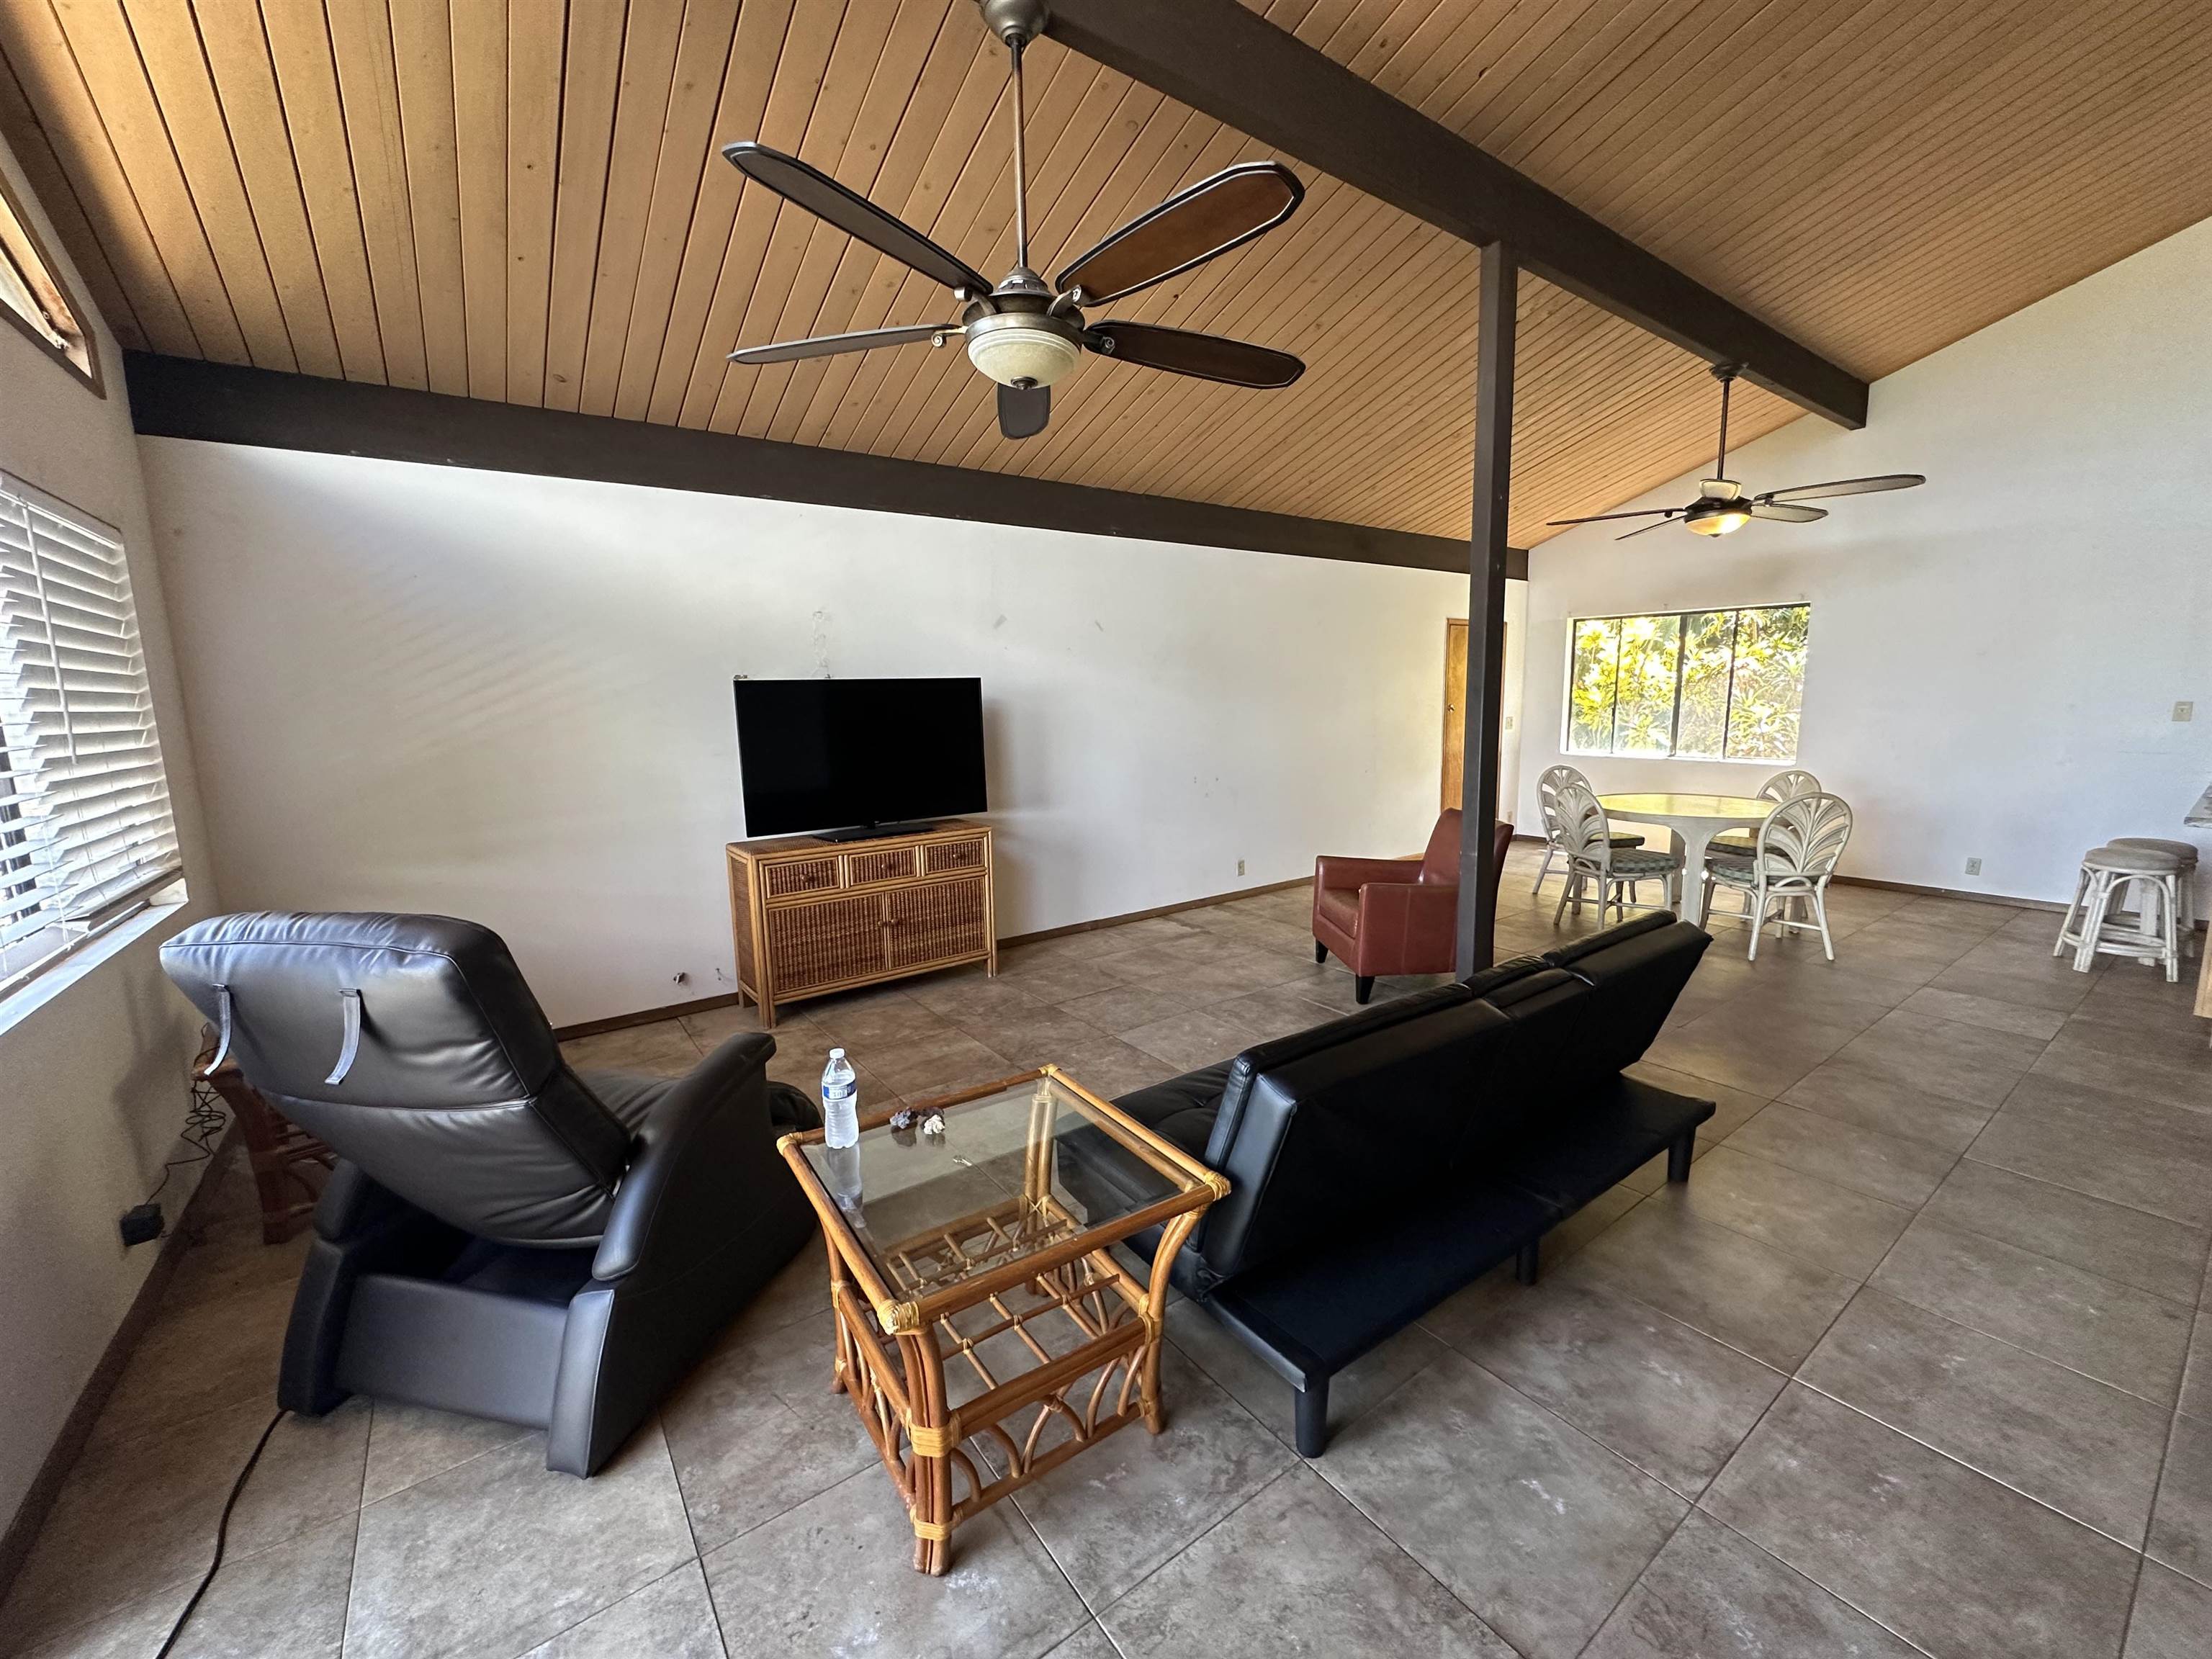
point(2091, 927)
point(2185, 906)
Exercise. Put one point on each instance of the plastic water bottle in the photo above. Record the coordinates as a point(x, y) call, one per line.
point(841, 1102)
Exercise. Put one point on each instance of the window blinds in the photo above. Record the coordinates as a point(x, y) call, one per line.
point(86, 831)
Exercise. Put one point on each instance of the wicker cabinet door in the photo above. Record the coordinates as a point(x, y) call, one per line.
point(826, 942)
point(937, 921)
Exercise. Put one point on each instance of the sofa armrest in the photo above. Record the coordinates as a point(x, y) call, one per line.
point(1405, 928)
point(1357, 872)
point(702, 1154)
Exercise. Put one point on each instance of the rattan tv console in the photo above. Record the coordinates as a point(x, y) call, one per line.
point(811, 916)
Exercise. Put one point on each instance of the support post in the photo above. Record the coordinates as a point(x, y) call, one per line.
point(1486, 604)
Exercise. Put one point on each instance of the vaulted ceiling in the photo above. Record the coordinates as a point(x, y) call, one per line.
point(521, 200)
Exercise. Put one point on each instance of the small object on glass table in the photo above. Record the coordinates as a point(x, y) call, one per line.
point(997, 1257)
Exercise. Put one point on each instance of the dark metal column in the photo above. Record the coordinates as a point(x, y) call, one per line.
point(1486, 604)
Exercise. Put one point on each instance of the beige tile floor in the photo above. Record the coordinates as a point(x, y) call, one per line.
point(1920, 1361)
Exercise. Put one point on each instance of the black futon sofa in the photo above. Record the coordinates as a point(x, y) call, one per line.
point(1380, 1162)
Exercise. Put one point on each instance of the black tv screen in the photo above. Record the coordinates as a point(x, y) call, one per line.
point(835, 754)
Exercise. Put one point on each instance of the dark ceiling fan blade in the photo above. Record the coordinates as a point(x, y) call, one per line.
point(1204, 357)
point(1601, 517)
point(857, 217)
point(1845, 487)
point(1645, 530)
point(828, 345)
point(1789, 512)
point(1023, 410)
point(1191, 226)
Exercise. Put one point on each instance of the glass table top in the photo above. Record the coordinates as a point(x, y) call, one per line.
point(1018, 1168)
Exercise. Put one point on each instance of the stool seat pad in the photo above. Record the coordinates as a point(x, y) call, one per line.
point(2184, 850)
point(2136, 860)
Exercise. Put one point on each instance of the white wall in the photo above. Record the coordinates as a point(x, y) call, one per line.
point(1994, 655)
point(425, 687)
point(92, 1069)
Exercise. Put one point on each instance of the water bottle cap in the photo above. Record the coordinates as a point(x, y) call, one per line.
point(837, 1053)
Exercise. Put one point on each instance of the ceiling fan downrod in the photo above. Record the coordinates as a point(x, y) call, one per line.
point(1016, 22)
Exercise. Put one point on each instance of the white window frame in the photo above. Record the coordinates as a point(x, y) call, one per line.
point(1682, 613)
point(88, 832)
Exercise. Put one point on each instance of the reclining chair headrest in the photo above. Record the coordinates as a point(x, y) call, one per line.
point(411, 1045)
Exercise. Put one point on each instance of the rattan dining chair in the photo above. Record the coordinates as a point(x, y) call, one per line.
point(1547, 805)
point(1794, 857)
point(1783, 786)
point(1587, 841)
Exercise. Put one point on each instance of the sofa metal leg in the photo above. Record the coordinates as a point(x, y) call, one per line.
point(1321, 951)
point(1526, 1261)
point(1312, 1434)
point(1363, 987)
point(1678, 1156)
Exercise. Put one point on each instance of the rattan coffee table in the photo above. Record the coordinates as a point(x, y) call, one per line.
point(984, 1331)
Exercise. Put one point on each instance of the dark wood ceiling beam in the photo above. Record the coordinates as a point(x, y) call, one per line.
point(1235, 66)
point(219, 403)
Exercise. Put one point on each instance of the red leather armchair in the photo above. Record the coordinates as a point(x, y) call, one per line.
point(1390, 916)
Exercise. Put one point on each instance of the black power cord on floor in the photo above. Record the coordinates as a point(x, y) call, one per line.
point(222, 1534)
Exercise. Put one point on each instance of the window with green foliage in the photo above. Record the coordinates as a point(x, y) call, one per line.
point(1701, 685)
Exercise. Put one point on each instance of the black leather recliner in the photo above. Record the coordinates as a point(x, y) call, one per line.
point(501, 1236)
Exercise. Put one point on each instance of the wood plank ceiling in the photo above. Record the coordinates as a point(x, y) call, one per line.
point(519, 200)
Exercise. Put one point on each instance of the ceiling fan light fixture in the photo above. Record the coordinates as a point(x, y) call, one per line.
point(1023, 349)
point(1717, 520)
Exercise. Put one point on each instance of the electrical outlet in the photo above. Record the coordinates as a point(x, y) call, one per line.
point(2185, 711)
point(1973, 866)
point(1240, 867)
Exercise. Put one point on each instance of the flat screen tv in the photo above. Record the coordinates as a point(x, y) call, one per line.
point(855, 756)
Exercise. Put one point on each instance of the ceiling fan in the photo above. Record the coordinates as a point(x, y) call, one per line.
point(1022, 333)
point(1722, 508)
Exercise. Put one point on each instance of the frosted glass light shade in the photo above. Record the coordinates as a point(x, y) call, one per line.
point(1017, 355)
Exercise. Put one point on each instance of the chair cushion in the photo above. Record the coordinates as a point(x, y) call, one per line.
point(1340, 906)
point(1734, 841)
point(1633, 865)
point(1621, 843)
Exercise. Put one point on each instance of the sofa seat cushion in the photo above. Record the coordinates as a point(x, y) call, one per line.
point(1182, 1109)
point(1311, 1314)
point(1620, 1125)
point(1339, 908)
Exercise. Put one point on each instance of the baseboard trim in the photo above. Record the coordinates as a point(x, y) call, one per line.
point(1044, 934)
point(644, 1017)
point(76, 1428)
point(676, 1010)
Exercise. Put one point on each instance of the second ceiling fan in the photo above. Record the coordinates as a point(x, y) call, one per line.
point(1021, 332)
point(1722, 507)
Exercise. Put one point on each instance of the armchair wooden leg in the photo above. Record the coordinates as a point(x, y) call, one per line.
point(1321, 951)
point(1363, 987)
point(1526, 1261)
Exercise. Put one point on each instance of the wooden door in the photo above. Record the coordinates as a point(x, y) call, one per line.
point(1454, 767)
point(1455, 711)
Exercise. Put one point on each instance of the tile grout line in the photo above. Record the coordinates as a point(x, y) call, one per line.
point(2165, 1454)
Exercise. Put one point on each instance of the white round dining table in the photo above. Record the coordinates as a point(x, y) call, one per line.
point(1693, 821)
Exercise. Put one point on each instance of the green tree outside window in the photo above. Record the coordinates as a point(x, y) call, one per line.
point(1695, 684)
